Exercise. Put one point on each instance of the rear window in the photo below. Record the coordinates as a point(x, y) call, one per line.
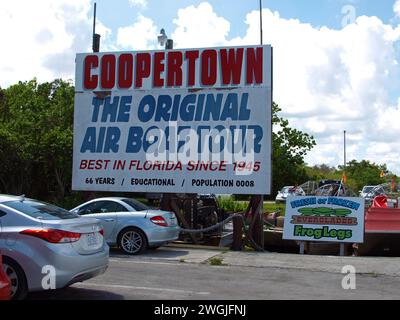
point(40, 210)
point(368, 189)
point(137, 205)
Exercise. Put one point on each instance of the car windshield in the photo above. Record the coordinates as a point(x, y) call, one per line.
point(137, 205)
point(40, 210)
point(286, 189)
point(377, 191)
point(367, 189)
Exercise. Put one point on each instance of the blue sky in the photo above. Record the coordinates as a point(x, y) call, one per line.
point(328, 76)
point(316, 12)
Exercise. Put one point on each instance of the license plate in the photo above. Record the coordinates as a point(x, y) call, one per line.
point(173, 220)
point(92, 240)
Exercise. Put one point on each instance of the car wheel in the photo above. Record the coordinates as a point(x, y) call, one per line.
point(132, 241)
point(19, 286)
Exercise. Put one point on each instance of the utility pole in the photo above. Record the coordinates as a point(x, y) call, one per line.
point(261, 24)
point(344, 157)
point(257, 202)
point(344, 176)
point(96, 37)
point(261, 207)
point(100, 95)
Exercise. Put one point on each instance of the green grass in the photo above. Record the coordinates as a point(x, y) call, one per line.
point(216, 261)
point(231, 205)
point(273, 207)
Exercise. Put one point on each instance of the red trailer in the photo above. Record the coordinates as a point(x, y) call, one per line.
point(382, 229)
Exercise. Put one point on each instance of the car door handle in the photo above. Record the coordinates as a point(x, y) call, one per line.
point(109, 220)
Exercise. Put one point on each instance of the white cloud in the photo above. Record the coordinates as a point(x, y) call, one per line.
point(138, 3)
point(196, 27)
point(40, 38)
point(139, 36)
point(396, 8)
point(327, 81)
point(199, 27)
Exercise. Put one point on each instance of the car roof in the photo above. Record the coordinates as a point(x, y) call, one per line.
point(108, 199)
point(7, 197)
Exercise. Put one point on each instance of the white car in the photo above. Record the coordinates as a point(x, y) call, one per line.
point(34, 235)
point(365, 190)
point(289, 191)
point(130, 224)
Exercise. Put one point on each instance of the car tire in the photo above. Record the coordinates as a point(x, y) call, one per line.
point(17, 278)
point(132, 241)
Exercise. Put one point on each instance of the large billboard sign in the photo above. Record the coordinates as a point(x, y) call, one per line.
point(174, 121)
point(325, 219)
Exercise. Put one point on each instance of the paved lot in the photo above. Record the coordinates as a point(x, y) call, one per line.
point(181, 273)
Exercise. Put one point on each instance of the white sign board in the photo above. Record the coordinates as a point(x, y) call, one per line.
point(325, 219)
point(178, 121)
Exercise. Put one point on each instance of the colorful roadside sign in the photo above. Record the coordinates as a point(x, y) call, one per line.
point(324, 219)
point(174, 121)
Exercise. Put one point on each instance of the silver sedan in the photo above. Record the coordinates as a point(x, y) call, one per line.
point(131, 225)
point(46, 247)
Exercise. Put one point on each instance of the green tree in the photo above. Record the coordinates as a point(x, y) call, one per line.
point(290, 146)
point(36, 138)
point(36, 135)
point(364, 173)
point(322, 172)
